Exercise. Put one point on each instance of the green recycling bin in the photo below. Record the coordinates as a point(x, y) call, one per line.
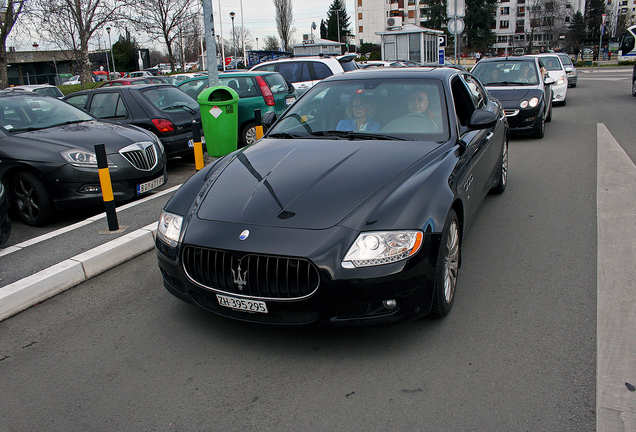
point(219, 118)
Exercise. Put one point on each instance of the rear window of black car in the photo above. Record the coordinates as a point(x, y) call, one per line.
point(348, 65)
point(167, 98)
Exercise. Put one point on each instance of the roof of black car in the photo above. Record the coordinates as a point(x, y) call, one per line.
point(508, 58)
point(390, 73)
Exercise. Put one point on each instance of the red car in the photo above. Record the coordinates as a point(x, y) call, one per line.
point(126, 81)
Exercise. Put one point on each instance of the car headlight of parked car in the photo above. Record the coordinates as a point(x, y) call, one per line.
point(561, 80)
point(82, 158)
point(382, 247)
point(531, 103)
point(169, 229)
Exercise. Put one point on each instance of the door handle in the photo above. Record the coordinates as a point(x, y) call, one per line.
point(490, 135)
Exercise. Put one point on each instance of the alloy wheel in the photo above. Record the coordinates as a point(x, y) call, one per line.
point(451, 262)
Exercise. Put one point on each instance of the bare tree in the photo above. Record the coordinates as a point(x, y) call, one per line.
point(74, 22)
point(164, 19)
point(271, 43)
point(10, 15)
point(284, 20)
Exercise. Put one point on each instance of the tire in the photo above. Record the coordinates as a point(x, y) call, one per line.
point(31, 200)
point(448, 262)
point(634, 88)
point(574, 85)
point(548, 119)
point(539, 131)
point(502, 181)
point(248, 134)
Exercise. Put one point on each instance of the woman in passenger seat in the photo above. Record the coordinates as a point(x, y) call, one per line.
point(359, 112)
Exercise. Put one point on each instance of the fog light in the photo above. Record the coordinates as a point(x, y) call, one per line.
point(390, 304)
point(91, 189)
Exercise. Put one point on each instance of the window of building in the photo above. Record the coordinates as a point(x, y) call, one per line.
point(411, 14)
point(504, 24)
point(360, 29)
point(359, 2)
point(504, 11)
point(521, 11)
point(360, 15)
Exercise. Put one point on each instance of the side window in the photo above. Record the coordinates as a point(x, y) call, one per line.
point(305, 74)
point(321, 70)
point(464, 106)
point(477, 93)
point(78, 101)
point(291, 71)
point(269, 67)
point(107, 105)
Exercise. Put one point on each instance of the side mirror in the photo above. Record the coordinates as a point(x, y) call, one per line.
point(549, 81)
point(569, 69)
point(482, 119)
point(269, 118)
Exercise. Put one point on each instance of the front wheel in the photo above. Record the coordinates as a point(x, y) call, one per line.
point(634, 88)
point(503, 170)
point(31, 200)
point(539, 130)
point(448, 261)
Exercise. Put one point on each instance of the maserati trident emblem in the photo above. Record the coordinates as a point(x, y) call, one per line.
point(245, 234)
point(240, 280)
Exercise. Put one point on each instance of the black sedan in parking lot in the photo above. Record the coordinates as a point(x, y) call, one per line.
point(518, 83)
point(160, 108)
point(48, 162)
point(351, 210)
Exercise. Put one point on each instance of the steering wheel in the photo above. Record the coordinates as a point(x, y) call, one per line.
point(46, 116)
point(430, 124)
point(523, 80)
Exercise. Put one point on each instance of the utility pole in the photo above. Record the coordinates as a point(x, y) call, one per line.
point(210, 43)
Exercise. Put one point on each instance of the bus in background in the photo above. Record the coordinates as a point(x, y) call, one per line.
point(626, 50)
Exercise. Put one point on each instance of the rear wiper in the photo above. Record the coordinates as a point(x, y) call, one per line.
point(182, 105)
point(357, 135)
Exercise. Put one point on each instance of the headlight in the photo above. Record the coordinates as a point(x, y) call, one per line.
point(524, 104)
point(533, 102)
point(82, 158)
point(382, 247)
point(561, 80)
point(169, 229)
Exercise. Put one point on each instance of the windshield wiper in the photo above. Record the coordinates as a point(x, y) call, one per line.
point(503, 83)
point(357, 135)
point(182, 105)
point(284, 135)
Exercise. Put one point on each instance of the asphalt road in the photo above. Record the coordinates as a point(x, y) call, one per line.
point(517, 353)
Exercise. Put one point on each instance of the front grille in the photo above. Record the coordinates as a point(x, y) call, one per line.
point(142, 156)
point(261, 276)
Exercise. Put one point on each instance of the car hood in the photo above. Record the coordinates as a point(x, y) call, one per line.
point(509, 94)
point(310, 184)
point(86, 134)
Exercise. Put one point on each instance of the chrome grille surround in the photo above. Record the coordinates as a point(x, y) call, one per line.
point(141, 155)
point(255, 276)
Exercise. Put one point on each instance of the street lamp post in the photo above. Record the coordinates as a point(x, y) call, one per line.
point(111, 52)
point(256, 44)
point(234, 39)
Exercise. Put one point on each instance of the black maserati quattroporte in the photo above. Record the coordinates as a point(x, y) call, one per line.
point(350, 210)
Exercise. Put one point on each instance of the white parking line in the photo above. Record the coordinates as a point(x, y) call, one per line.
point(52, 234)
point(616, 286)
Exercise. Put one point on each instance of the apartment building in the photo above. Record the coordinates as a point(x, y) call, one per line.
point(374, 16)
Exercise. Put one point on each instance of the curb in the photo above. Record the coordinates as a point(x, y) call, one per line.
point(21, 295)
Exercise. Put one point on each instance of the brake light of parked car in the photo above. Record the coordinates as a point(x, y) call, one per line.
point(163, 125)
point(267, 93)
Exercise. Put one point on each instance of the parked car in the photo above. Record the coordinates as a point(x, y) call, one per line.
point(446, 64)
point(570, 70)
point(160, 108)
point(139, 74)
point(48, 162)
point(524, 93)
point(319, 223)
point(163, 80)
point(5, 222)
point(127, 81)
point(45, 89)
point(267, 91)
point(555, 69)
point(305, 72)
point(379, 63)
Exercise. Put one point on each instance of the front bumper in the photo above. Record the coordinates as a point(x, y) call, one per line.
point(520, 120)
point(343, 296)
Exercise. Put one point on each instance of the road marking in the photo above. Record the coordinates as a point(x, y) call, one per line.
point(626, 78)
point(90, 220)
point(616, 286)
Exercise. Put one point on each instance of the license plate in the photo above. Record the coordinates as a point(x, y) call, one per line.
point(152, 184)
point(290, 101)
point(242, 304)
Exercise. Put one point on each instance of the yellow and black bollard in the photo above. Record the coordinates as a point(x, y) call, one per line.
point(107, 187)
point(198, 146)
point(258, 122)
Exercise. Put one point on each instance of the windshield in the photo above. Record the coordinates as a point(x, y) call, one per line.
point(25, 113)
point(565, 59)
point(369, 109)
point(168, 98)
point(506, 73)
point(551, 63)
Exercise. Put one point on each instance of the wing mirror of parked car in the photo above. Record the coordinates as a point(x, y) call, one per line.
point(269, 118)
point(482, 119)
point(569, 69)
point(549, 81)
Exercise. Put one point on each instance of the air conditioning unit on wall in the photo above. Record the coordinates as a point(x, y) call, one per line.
point(395, 21)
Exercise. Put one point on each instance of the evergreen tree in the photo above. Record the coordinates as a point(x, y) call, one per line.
point(576, 31)
point(125, 53)
point(436, 15)
point(337, 12)
point(480, 18)
point(594, 10)
point(323, 29)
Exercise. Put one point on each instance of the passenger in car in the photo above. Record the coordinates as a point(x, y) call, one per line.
point(419, 119)
point(359, 113)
